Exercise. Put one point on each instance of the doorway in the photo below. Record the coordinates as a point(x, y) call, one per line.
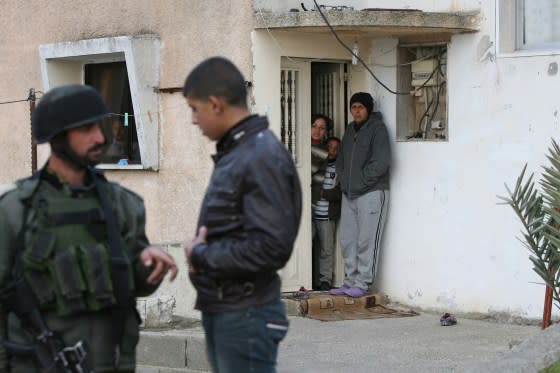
point(309, 87)
point(329, 85)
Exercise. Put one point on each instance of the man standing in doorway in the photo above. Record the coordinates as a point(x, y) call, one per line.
point(363, 166)
point(247, 225)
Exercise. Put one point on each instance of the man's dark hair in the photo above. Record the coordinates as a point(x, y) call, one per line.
point(327, 120)
point(217, 76)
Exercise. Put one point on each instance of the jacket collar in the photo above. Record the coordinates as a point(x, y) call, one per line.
point(247, 126)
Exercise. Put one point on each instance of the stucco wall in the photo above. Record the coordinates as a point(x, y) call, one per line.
point(426, 5)
point(189, 31)
point(448, 245)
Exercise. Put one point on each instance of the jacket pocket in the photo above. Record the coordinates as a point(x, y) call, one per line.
point(97, 276)
point(277, 329)
point(68, 281)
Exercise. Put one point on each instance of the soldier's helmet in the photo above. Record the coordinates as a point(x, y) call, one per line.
point(66, 107)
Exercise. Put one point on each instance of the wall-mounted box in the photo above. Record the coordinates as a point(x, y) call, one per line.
point(422, 70)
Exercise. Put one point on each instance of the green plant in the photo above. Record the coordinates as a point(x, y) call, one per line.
point(539, 213)
point(554, 368)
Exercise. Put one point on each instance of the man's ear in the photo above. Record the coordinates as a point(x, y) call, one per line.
point(218, 104)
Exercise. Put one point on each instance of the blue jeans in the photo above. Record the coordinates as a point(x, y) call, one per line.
point(245, 341)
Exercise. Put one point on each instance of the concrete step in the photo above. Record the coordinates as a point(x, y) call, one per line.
point(182, 349)
point(170, 351)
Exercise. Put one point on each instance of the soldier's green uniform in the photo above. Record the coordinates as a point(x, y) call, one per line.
point(65, 260)
point(72, 252)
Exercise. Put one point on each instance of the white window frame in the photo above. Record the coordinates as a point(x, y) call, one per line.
point(509, 30)
point(63, 63)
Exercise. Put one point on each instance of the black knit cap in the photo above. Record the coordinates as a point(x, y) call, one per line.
point(363, 98)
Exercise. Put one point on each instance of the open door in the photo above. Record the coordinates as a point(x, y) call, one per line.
point(328, 97)
point(295, 133)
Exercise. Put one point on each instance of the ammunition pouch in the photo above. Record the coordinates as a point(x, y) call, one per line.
point(66, 259)
point(73, 280)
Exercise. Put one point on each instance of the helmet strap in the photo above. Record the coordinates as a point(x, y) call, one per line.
point(61, 148)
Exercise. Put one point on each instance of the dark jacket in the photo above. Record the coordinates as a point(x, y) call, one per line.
point(252, 209)
point(364, 158)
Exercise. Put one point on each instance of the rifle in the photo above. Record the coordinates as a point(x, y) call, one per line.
point(52, 356)
point(49, 351)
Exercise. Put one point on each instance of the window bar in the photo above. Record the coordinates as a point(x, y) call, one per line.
point(293, 122)
point(323, 95)
point(283, 106)
point(331, 95)
point(290, 111)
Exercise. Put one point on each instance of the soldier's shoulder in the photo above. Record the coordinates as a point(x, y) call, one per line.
point(7, 188)
point(22, 188)
point(8, 194)
point(126, 194)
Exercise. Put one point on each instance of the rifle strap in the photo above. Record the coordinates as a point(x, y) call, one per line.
point(16, 295)
point(119, 267)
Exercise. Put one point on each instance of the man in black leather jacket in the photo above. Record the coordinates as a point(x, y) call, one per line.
point(247, 226)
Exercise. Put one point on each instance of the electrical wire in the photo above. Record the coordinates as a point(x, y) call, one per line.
point(407, 63)
point(31, 97)
point(280, 48)
point(12, 102)
point(272, 36)
point(358, 57)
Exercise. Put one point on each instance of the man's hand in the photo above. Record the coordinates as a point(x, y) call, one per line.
point(200, 238)
point(162, 263)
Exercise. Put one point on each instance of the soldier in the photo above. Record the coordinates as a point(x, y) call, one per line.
point(73, 251)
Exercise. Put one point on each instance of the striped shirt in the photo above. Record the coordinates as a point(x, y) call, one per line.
point(321, 208)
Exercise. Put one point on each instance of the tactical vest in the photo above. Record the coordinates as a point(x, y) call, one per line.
point(66, 259)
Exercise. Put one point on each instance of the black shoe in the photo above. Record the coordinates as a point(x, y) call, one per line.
point(325, 286)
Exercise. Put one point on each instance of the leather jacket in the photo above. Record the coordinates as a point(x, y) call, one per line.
point(252, 209)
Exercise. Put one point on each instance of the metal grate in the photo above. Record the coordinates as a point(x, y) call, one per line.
point(288, 88)
point(326, 94)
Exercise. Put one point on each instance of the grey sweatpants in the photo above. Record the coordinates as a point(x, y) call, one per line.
point(361, 228)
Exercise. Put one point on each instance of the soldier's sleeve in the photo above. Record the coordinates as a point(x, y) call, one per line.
point(8, 216)
point(133, 219)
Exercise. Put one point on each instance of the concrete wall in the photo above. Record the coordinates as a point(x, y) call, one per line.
point(189, 31)
point(425, 5)
point(448, 244)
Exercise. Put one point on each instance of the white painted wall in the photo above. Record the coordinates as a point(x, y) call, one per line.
point(426, 5)
point(448, 245)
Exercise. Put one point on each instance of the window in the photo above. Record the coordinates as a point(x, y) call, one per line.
point(125, 70)
point(422, 69)
point(111, 80)
point(537, 24)
point(528, 26)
